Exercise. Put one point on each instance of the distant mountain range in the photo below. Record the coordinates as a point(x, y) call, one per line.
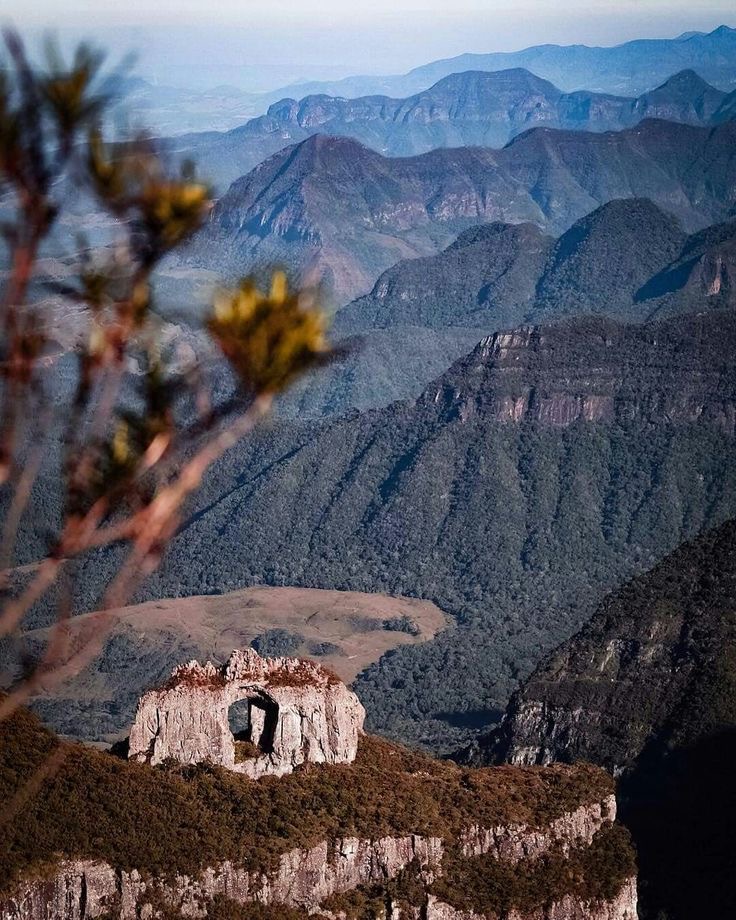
point(331, 208)
point(631, 69)
point(475, 108)
point(628, 69)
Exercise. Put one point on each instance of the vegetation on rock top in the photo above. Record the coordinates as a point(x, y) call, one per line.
point(183, 819)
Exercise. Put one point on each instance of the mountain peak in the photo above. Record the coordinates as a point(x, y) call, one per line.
point(581, 277)
point(723, 30)
point(514, 76)
point(333, 143)
point(686, 79)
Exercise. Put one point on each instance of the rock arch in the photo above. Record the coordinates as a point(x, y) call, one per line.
point(297, 712)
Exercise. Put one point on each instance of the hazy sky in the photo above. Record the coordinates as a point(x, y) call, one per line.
point(272, 41)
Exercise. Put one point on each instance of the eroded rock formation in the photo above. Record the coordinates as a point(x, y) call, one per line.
point(305, 877)
point(296, 712)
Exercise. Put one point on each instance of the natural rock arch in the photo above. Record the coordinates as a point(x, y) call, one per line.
point(253, 720)
point(297, 712)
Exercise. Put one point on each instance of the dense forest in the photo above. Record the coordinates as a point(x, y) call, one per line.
point(515, 529)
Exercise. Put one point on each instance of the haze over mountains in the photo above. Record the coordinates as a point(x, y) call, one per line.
point(474, 108)
point(333, 208)
point(631, 68)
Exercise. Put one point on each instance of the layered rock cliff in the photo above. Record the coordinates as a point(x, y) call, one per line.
point(393, 831)
point(595, 370)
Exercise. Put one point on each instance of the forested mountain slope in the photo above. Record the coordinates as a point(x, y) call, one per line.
point(499, 275)
point(648, 687)
point(536, 474)
point(329, 207)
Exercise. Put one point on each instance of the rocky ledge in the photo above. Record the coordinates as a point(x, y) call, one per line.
point(316, 880)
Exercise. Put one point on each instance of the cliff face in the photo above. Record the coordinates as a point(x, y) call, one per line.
point(85, 890)
point(648, 689)
point(588, 370)
point(621, 907)
point(297, 712)
point(652, 667)
point(305, 878)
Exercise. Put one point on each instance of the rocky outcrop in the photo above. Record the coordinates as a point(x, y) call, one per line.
point(544, 374)
point(305, 877)
point(622, 907)
point(295, 712)
point(514, 843)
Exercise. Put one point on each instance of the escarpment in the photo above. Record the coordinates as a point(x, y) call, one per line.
point(374, 825)
point(648, 689)
point(597, 370)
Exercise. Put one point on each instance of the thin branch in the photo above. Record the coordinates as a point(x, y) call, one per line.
point(48, 768)
point(21, 497)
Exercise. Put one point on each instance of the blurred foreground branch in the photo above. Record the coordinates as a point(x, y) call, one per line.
point(131, 449)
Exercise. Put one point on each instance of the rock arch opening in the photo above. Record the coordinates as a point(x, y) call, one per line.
point(238, 717)
point(253, 721)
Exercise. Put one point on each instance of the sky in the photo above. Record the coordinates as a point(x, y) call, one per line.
point(265, 44)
